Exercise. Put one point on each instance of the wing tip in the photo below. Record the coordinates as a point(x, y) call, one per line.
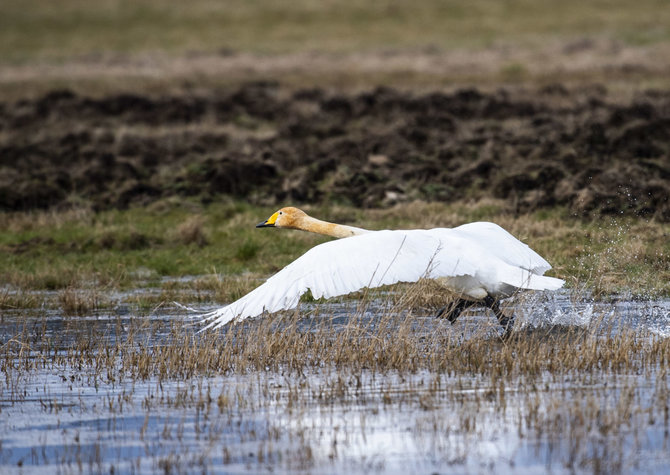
point(216, 318)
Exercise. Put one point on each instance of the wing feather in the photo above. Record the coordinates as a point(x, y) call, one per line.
point(493, 238)
point(382, 258)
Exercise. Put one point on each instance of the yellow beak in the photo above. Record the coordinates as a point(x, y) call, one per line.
point(270, 222)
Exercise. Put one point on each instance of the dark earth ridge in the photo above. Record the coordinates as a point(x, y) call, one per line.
point(580, 148)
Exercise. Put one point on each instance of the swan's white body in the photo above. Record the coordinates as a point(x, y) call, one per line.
point(475, 260)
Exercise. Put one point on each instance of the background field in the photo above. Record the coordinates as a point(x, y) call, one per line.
point(149, 45)
point(33, 29)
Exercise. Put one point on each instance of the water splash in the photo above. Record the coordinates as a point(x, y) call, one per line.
point(581, 310)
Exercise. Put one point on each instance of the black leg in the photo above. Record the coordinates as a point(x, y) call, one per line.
point(453, 311)
point(505, 321)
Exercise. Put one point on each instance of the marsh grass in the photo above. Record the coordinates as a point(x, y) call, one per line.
point(146, 253)
point(378, 336)
point(17, 299)
point(382, 341)
point(582, 392)
point(577, 392)
point(75, 301)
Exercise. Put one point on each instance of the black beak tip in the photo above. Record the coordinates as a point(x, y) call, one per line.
point(263, 224)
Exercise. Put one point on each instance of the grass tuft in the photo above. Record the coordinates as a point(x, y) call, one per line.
point(191, 232)
point(75, 301)
point(247, 250)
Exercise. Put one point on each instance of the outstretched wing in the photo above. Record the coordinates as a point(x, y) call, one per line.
point(338, 268)
point(371, 260)
point(494, 239)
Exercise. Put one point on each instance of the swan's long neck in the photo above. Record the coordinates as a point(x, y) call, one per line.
point(313, 225)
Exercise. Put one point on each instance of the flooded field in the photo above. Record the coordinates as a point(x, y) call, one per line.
point(141, 142)
point(580, 386)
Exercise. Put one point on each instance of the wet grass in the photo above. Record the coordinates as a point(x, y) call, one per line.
point(213, 253)
point(303, 392)
point(295, 343)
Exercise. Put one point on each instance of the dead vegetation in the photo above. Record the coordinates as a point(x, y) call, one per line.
point(577, 392)
point(390, 339)
point(191, 232)
point(77, 301)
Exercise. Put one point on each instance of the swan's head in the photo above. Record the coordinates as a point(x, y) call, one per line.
point(288, 217)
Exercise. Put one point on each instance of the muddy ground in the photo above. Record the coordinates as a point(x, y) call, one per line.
point(579, 148)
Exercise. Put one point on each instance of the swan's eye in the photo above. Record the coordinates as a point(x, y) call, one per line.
point(281, 212)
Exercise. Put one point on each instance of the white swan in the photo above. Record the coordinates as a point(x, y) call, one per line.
point(481, 262)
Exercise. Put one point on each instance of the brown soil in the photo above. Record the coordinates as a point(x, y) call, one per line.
point(578, 148)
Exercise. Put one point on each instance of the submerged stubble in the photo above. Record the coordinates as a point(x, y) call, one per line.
point(379, 387)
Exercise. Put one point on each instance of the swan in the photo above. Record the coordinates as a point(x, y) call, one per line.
point(480, 262)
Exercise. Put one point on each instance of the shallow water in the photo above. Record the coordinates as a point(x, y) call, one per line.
point(70, 418)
